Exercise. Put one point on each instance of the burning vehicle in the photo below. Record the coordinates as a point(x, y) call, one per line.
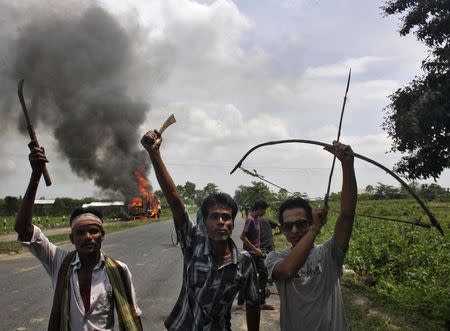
point(144, 205)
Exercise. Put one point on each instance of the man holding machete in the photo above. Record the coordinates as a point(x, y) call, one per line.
point(88, 284)
point(214, 271)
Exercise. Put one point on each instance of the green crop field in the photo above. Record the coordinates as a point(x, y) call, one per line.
point(45, 222)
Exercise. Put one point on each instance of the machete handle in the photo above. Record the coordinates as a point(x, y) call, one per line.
point(34, 143)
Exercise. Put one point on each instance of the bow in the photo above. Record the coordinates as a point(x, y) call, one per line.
point(327, 195)
point(430, 215)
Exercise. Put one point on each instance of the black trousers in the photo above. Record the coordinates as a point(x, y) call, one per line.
point(262, 281)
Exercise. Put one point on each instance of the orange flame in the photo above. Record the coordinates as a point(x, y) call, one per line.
point(143, 184)
point(143, 201)
point(154, 213)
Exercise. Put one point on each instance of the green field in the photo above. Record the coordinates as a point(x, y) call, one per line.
point(402, 268)
point(45, 222)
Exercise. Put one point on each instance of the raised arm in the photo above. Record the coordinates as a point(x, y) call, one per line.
point(245, 240)
point(23, 225)
point(288, 267)
point(152, 141)
point(349, 195)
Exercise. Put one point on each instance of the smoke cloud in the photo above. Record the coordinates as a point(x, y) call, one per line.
point(88, 76)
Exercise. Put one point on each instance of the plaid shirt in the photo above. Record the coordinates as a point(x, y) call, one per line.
point(208, 290)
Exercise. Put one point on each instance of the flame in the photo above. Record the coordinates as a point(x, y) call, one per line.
point(154, 213)
point(143, 184)
point(145, 200)
point(136, 202)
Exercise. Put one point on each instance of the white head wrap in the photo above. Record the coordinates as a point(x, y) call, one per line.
point(85, 219)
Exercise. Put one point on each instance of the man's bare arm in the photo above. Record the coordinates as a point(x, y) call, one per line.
point(255, 250)
point(349, 196)
point(152, 142)
point(298, 255)
point(23, 225)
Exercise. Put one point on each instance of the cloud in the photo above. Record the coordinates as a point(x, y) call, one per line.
point(358, 66)
point(243, 73)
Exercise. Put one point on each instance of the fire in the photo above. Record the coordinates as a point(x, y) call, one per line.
point(141, 204)
point(143, 184)
point(155, 213)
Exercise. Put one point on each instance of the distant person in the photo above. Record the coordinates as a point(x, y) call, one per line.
point(242, 210)
point(246, 211)
point(213, 268)
point(251, 237)
point(267, 243)
point(267, 225)
point(307, 275)
point(88, 284)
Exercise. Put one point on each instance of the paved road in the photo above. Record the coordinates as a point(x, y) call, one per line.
point(154, 262)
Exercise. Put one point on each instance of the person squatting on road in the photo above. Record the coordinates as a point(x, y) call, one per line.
point(307, 276)
point(88, 284)
point(251, 237)
point(214, 271)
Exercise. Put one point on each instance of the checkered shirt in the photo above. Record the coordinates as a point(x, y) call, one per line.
point(208, 290)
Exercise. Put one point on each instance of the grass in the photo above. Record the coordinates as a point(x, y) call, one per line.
point(366, 310)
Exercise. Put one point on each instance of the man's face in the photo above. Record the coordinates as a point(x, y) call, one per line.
point(219, 223)
point(87, 238)
point(260, 212)
point(295, 224)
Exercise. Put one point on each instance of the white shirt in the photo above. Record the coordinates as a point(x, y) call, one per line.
point(312, 300)
point(101, 312)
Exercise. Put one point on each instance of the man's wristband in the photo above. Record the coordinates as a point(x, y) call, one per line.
point(314, 228)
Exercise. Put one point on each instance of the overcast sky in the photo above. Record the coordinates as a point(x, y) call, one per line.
point(239, 73)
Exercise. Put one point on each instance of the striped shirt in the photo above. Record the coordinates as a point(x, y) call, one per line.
point(208, 290)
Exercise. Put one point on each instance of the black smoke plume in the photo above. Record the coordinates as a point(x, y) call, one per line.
point(88, 78)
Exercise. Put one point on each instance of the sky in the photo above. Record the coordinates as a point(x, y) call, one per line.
point(239, 73)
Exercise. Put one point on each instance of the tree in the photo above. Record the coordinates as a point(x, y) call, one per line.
point(433, 192)
point(210, 188)
point(369, 189)
point(417, 119)
point(189, 193)
point(386, 192)
point(11, 205)
point(247, 195)
point(161, 198)
point(201, 195)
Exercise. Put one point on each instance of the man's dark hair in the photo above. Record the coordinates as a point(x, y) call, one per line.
point(79, 211)
point(259, 204)
point(294, 203)
point(219, 198)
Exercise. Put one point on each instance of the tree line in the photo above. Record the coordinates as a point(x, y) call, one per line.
point(246, 195)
